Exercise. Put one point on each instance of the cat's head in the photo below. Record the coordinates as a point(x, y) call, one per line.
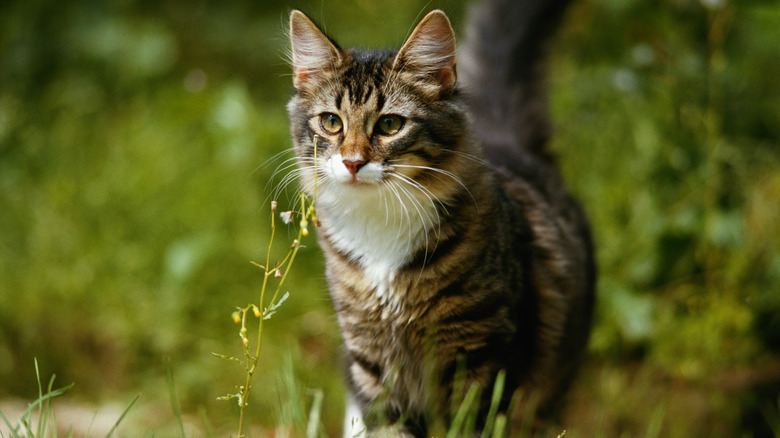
point(378, 116)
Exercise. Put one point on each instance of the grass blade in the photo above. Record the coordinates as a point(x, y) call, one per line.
point(121, 417)
point(495, 401)
point(656, 423)
point(11, 428)
point(498, 431)
point(43, 398)
point(91, 423)
point(40, 397)
point(47, 414)
point(314, 415)
point(52, 419)
point(463, 410)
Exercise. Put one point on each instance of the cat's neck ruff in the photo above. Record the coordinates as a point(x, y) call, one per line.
point(380, 226)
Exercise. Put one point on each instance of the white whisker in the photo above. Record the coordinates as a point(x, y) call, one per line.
point(429, 196)
point(424, 219)
point(275, 157)
point(393, 187)
point(283, 167)
point(427, 219)
point(383, 201)
point(426, 191)
point(473, 158)
point(441, 172)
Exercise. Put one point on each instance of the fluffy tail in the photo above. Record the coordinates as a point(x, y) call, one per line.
point(501, 69)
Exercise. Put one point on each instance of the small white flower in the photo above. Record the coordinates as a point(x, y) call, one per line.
point(286, 216)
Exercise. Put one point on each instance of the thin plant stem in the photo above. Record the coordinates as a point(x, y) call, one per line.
point(252, 365)
point(281, 270)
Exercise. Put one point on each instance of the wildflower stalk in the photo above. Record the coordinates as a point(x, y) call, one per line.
point(279, 271)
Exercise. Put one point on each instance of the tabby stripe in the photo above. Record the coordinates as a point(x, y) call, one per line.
point(407, 141)
point(438, 160)
point(472, 334)
point(452, 233)
point(372, 368)
point(367, 96)
point(483, 357)
point(443, 247)
point(476, 310)
point(421, 152)
point(445, 132)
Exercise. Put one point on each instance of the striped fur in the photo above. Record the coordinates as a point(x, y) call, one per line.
point(435, 256)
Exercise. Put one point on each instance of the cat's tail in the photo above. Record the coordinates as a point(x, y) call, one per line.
point(501, 70)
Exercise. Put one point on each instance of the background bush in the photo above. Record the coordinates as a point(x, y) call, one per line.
point(136, 145)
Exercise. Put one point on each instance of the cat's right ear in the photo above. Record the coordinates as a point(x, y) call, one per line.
point(312, 51)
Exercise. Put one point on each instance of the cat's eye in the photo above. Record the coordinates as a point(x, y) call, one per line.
point(331, 123)
point(389, 124)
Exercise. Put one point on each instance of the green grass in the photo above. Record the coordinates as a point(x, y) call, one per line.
point(135, 180)
point(30, 424)
point(39, 421)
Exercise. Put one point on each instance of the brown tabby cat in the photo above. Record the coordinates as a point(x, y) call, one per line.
point(450, 240)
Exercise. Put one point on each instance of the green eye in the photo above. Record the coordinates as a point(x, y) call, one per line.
point(331, 123)
point(389, 124)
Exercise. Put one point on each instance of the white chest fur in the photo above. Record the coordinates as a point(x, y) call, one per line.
point(381, 222)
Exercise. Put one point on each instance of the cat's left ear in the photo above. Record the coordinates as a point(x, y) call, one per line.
point(312, 51)
point(430, 49)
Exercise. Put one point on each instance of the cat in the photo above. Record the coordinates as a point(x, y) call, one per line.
point(453, 249)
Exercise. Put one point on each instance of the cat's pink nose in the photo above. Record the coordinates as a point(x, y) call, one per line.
point(353, 166)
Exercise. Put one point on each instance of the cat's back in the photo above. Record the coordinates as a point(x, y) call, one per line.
point(502, 72)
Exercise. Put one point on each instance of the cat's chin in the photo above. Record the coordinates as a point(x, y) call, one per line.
point(358, 183)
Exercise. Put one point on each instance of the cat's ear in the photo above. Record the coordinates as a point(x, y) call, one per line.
point(312, 50)
point(430, 49)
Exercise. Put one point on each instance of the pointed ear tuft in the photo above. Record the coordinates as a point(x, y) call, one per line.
point(430, 49)
point(312, 50)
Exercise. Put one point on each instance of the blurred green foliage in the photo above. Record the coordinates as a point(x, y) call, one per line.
point(136, 145)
